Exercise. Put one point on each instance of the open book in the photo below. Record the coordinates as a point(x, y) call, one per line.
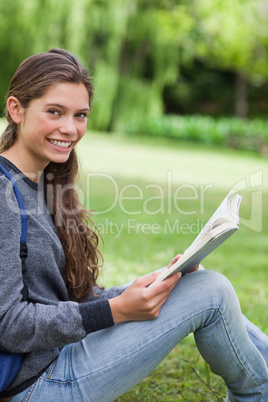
point(223, 223)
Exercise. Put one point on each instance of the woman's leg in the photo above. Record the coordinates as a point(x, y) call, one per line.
point(107, 363)
point(259, 339)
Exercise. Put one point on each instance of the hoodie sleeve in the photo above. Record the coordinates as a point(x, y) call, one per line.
point(26, 326)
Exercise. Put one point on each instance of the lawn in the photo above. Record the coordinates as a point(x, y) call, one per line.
point(151, 197)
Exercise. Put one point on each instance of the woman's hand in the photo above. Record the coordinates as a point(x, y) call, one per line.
point(176, 258)
point(140, 302)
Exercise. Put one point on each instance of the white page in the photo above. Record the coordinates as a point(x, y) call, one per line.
point(223, 223)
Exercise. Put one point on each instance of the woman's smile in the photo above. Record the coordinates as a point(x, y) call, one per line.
point(60, 145)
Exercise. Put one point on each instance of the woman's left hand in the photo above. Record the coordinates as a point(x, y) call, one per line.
point(176, 258)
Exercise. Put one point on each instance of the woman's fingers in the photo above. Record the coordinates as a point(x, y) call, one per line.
point(174, 259)
point(194, 268)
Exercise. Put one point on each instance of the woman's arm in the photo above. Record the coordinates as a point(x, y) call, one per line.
point(48, 319)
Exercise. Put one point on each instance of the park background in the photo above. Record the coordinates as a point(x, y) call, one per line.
point(181, 102)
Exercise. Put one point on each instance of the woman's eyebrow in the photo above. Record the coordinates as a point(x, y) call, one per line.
point(86, 109)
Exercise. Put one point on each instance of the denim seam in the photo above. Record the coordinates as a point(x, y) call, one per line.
point(236, 353)
point(51, 369)
point(256, 335)
point(69, 382)
point(30, 392)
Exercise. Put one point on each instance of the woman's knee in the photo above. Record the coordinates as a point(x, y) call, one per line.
point(218, 288)
point(213, 287)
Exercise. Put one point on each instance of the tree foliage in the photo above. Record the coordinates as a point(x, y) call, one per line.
point(234, 35)
point(135, 49)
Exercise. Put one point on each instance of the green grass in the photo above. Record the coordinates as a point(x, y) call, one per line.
point(138, 238)
point(152, 171)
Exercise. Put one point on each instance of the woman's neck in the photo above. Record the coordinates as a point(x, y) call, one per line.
point(24, 164)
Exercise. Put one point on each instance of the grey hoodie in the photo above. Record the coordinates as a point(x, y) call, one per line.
point(42, 325)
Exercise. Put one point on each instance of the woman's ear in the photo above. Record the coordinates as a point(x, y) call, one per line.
point(15, 109)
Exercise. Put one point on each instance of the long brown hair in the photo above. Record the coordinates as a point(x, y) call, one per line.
point(32, 80)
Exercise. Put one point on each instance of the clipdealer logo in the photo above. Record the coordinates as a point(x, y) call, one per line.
point(252, 186)
point(151, 199)
point(163, 200)
point(133, 226)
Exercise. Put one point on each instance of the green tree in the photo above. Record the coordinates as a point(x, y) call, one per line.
point(150, 58)
point(233, 35)
point(136, 48)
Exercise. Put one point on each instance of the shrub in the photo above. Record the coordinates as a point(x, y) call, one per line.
point(204, 129)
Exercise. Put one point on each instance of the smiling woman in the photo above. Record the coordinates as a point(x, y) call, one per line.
point(65, 327)
point(48, 101)
point(49, 128)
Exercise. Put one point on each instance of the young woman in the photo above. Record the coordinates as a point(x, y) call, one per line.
point(81, 342)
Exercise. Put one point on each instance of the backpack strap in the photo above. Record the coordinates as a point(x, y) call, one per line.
point(24, 226)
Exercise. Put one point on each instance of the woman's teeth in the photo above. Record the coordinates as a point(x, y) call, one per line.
point(60, 144)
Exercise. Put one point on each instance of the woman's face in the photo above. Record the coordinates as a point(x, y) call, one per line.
point(52, 125)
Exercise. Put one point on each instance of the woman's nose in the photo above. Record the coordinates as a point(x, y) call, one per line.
point(68, 126)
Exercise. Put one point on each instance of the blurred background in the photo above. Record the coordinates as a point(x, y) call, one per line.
point(181, 90)
point(153, 58)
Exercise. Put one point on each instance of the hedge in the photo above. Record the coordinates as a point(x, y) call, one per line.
point(234, 132)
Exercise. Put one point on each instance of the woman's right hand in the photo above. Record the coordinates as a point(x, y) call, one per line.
point(140, 302)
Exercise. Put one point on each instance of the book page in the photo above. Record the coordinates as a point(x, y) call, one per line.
point(223, 223)
point(228, 210)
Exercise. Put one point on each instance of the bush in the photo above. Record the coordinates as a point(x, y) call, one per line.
point(205, 129)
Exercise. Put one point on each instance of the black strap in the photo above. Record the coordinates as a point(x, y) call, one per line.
point(23, 256)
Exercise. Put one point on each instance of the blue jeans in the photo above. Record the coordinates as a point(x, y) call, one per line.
point(108, 363)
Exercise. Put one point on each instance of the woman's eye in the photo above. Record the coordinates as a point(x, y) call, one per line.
point(81, 115)
point(54, 112)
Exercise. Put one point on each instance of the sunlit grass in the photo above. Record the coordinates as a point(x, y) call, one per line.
point(144, 231)
point(151, 159)
point(138, 237)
